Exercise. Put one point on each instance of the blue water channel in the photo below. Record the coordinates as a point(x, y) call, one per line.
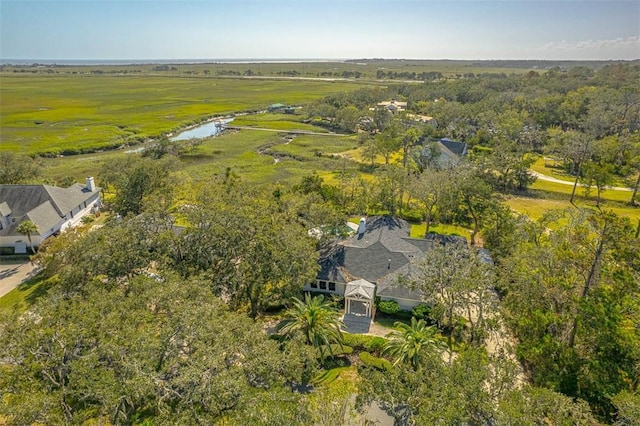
point(202, 131)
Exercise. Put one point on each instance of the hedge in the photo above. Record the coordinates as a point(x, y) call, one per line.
point(371, 361)
point(389, 307)
point(363, 342)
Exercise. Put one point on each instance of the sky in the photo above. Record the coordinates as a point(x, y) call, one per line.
point(315, 29)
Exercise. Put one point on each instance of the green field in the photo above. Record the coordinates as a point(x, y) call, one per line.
point(366, 68)
point(70, 114)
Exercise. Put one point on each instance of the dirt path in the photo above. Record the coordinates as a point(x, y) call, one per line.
point(566, 182)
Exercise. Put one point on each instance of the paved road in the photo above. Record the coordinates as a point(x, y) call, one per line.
point(12, 273)
point(566, 182)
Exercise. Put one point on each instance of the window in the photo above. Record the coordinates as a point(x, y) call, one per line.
point(323, 285)
point(332, 286)
point(314, 285)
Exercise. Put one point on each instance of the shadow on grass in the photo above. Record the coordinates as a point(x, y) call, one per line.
point(26, 294)
point(389, 321)
point(37, 287)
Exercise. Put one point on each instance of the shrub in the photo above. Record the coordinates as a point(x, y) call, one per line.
point(363, 342)
point(88, 219)
point(421, 311)
point(413, 216)
point(376, 344)
point(336, 350)
point(372, 361)
point(7, 250)
point(389, 307)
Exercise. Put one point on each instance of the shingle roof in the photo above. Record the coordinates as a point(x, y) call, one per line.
point(45, 205)
point(381, 255)
point(458, 148)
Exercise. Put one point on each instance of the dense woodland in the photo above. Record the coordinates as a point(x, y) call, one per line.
point(165, 313)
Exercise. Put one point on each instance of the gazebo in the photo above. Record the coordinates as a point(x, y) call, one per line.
point(363, 293)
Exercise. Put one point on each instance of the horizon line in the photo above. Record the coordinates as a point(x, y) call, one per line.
point(183, 61)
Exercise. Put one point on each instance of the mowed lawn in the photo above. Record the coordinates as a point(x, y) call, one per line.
point(70, 113)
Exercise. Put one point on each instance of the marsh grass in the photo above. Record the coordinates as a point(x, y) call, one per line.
point(73, 114)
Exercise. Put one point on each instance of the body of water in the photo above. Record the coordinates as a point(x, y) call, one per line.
point(88, 62)
point(202, 131)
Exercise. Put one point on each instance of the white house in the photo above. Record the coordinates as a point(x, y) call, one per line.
point(51, 208)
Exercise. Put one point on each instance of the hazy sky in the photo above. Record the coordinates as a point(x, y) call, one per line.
point(330, 29)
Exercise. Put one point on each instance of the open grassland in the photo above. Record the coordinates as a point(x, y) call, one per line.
point(68, 113)
point(535, 208)
point(264, 157)
point(365, 69)
point(581, 191)
point(276, 122)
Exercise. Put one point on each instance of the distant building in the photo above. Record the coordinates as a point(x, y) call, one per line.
point(276, 107)
point(448, 152)
point(50, 208)
point(422, 119)
point(393, 106)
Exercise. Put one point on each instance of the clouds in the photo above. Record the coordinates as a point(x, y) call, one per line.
point(617, 48)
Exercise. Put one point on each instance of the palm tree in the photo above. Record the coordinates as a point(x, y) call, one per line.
point(410, 343)
point(316, 320)
point(27, 228)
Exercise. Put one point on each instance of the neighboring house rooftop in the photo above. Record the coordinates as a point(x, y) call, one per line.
point(393, 105)
point(450, 151)
point(45, 205)
point(457, 148)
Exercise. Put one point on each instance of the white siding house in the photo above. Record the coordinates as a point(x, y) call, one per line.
point(51, 208)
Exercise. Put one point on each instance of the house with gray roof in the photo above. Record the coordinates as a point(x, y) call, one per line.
point(449, 152)
point(372, 262)
point(51, 208)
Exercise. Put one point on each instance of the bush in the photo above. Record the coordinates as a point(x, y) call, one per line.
point(337, 350)
point(371, 361)
point(361, 342)
point(5, 251)
point(389, 307)
point(412, 216)
point(376, 345)
point(88, 219)
point(421, 311)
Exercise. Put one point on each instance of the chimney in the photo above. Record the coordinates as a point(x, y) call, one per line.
point(362, 227)
point(91, 185)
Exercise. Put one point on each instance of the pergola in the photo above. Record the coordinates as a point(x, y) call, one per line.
point(360, 291)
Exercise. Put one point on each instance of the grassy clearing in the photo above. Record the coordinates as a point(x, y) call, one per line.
point(553, 168)
point(22, 297)
point(276, 122)
point(418, 230)
point(240, 151)
point(581, 192)
point(69, 113)
point(535, 208)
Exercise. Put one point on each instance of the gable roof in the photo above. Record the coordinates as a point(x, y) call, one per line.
point(457, 148)
point(382, 254)
point(361, 289)
point(45, 205)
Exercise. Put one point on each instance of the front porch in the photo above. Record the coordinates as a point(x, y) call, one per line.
point(359, 306)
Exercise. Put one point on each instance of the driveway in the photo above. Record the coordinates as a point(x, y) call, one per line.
point(12, 273)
